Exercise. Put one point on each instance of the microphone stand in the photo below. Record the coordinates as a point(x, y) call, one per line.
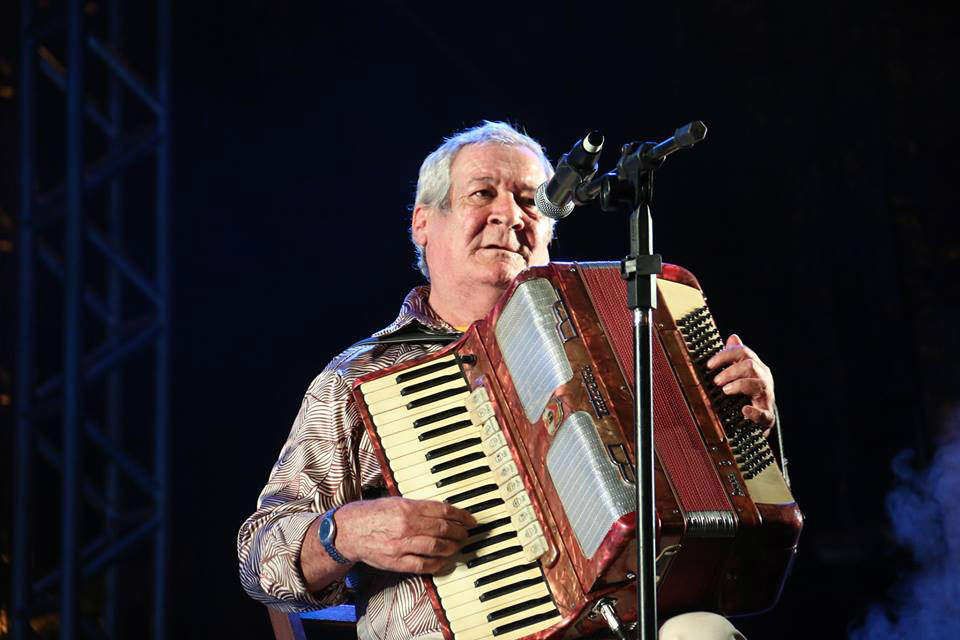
point(640, 270)
point(629, 188)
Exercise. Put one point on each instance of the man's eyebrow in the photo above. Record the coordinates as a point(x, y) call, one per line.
point(524, 186)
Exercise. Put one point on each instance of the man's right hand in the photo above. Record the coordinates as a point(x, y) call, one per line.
point(397, 534)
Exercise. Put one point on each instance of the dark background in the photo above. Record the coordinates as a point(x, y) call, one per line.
point(817, 215)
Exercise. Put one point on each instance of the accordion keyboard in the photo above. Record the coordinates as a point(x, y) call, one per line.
point(443, 442)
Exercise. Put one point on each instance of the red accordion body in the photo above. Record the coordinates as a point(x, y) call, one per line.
point(528, 422)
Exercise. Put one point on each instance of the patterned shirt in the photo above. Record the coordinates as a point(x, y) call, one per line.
point(329, 460)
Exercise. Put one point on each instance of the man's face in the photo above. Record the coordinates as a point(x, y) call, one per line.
point(493, 230)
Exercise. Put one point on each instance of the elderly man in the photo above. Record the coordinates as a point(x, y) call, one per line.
point(323, 511)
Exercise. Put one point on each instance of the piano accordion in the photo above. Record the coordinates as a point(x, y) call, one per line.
point(527, 422)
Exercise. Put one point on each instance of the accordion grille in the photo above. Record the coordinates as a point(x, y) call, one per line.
point(593, 493)
point(527, 336)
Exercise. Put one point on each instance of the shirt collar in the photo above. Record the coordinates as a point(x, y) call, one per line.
point(416, 308)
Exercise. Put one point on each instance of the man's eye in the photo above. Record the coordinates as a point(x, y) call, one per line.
point(481, 193)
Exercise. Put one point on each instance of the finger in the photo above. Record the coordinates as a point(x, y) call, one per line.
point(411, 563)
point(734, 341)
point(430, 546)
point(750, 387)
point(746, 368)
point(443, 528)
point(759, 416)
point(437, 509)
point(731, 353)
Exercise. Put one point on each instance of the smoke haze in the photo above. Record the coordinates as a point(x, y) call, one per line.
point(924, 511)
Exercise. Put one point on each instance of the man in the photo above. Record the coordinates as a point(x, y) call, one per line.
point(475, 226)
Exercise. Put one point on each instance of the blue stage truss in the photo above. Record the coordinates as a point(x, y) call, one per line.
point(93, 313)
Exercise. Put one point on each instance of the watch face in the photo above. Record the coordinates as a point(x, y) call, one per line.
point(325, 531)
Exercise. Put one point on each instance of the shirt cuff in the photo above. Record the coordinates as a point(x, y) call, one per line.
point(280, 575)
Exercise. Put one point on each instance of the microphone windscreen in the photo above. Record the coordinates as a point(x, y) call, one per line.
point(549, 209)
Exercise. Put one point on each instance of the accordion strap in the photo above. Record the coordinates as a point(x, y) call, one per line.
point(412, 337)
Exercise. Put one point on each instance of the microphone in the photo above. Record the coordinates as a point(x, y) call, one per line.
point(556, 197)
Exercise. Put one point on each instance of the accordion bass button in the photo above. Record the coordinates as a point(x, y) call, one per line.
point(506, 471)
point(526, 520)
point(531, 531)
point(476, 398)
point(518, 502)
point(490, 428)
point(510, 488)
point(494, 443)
point(501, 456)
point(482, 413)
point(535, 548)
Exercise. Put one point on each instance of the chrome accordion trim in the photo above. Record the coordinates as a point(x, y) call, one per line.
point(527, 336)
point(591, 489)
point(711, 524)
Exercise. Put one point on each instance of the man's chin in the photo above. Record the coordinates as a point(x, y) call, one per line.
point(503, 275)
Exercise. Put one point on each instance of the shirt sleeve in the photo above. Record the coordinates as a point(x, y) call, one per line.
point(323, 464)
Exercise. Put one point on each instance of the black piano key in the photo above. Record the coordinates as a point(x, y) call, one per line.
point(436, 397)
point(472, 493)
point(419, 373)
point(450, 448)
point(510, 588)
point(488, 526)
point(506, 573)
point(437, 417)
point(523, 622)
point(517, 608)
point(457, 477)
point(496, 555)
point(488, 542)
point(428, 384)
point(433, 433)
point(456, 462)
point(483, 506)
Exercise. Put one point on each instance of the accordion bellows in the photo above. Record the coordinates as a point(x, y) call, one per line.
point(527, 421)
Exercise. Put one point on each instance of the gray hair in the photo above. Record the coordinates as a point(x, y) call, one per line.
point(433, 184)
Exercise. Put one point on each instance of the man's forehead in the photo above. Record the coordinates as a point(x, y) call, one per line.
point(494, 162)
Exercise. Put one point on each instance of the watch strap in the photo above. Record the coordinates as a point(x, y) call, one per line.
point(328, 544)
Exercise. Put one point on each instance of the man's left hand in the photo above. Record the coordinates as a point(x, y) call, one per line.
point(745, 373)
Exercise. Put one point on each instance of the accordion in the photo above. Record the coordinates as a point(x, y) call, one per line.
point(527, 422)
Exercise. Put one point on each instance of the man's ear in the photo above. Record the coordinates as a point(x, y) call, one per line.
point(418, 224)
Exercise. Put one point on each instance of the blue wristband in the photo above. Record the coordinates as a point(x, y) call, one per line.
point(327, 533)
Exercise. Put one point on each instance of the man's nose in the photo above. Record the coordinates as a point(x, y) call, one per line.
point(506, 211)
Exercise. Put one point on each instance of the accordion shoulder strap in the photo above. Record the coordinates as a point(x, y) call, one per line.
point(412, 337)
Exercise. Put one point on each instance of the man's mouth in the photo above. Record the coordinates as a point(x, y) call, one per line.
point(518, 252)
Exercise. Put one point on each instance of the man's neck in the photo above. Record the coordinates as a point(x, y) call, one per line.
point(461, 307)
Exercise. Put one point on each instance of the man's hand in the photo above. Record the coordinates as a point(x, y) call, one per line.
point(397, 534)
point(745, 373)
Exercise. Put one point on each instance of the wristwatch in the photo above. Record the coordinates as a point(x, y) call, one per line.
point(327, 533)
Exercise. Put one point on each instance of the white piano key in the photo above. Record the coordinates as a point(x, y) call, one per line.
point(375, 397)
point(485, 631)
point(467, 592)
point(424, 467)
point(391, 380)
point(429, 479)
point(472, 614)
point(405, 423)
point(385, 410)
point(397, 447)
point(518, 633)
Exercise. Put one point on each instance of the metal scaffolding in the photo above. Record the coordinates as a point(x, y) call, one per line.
point(93, 315)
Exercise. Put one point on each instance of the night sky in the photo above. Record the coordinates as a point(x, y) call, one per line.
point(817, 215)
